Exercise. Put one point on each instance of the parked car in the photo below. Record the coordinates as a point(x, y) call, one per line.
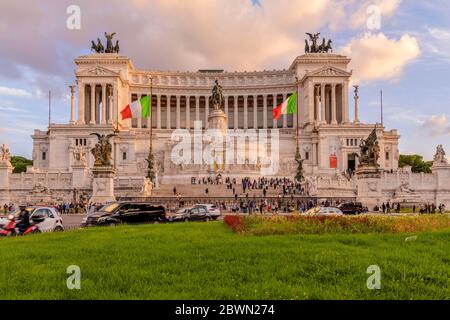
point(352, 208)
point(45, 218)
point(180, 215)
point(324, 211)
point(125, 212)
point(213, 210)
point(198, 213)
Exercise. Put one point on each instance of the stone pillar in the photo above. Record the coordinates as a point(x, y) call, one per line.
point(356, 120)
point(103, 184)
point(168, 125)
point(5, 174)
point(245, 112)
point(93, 107)
point(236, 110)
point(197, 108)
point(317, 106)
point(158, 111)
point(81, 105)
point(110, 98)
point(178, 112)
point(265, 111)
point(345, 118)
point(275, 124)
point(103, 104)
point(226, 106)
point(206, 111)
point(115, 104)
point(368, 181)
point(188, 112)
point(311, 102)
point(322, 103)
point(255, 112)
point(333, 104)
point(139, 119)
point(72, 104)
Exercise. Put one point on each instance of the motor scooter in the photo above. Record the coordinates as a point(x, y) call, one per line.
point(11, 228)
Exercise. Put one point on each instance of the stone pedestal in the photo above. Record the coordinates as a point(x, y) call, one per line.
point(441, 169)
point(5, 173)
point(368, 181)
point(103, 184)
point(218, 120)
point(80, 177)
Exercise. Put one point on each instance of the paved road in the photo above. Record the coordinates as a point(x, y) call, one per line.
point(71, 221)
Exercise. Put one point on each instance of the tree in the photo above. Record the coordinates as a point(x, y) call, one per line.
point(20, 164)
point(416, 163)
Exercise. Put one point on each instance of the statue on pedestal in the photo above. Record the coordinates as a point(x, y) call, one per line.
point(217, 97)
point(370, 150)
point(439, 156)
point(102, 150)
point(314, 47)
point(5, 155)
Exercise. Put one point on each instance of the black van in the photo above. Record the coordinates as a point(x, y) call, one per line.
point(352, 208)
point(126, 212)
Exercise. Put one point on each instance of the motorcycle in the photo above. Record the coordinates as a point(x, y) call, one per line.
point(11, 228)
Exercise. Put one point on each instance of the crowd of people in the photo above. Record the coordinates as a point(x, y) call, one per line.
point(424, 208)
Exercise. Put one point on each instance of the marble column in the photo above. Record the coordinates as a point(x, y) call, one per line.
point(81, 104)
point(197, 108)
point(317, 105)
point(265, 111)
point(345, 118)
point(275, 124)
point(333, 104)
point(158, 111)
point(115, 105)
point(284, 115)
point(72, 104)
point(206, 111)
point(255, 112)
point(168, 124)
point(92, 120)
point(322, 103)
point(103, 120)
point(110, 105)
point(139, 119)
point(226, 106)
point(356, 120)
point(188, 112)
point(178, 112)
point(311, 102)
point(245, 112)
point(236, 118)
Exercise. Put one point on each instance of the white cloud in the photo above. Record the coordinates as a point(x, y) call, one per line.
point(6, 91)
point(437, 125)
point(377, 57)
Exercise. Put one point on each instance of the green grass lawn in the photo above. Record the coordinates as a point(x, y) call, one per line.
point(209, 261)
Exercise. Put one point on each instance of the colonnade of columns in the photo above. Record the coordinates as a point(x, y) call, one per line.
point(180, 111)
point(95, 103)
point(330, 103)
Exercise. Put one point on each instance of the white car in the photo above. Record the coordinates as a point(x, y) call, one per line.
point(52, 219)
point(324, 211)
point(213, 210)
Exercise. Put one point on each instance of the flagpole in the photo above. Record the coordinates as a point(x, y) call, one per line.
point(150, 169)
point(296, 131)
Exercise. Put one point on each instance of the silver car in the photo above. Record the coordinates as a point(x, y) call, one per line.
point(324, 211)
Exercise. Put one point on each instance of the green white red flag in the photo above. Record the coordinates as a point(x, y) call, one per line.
point(139, 107)
point(289, 106)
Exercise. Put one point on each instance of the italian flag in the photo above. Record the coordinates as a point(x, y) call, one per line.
point(136, 108)
point(289, 106)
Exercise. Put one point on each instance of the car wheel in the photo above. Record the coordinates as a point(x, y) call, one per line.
point(207, 219)
point(36, 231)
point(186, 220)
point(58, 229)
point(156, 222)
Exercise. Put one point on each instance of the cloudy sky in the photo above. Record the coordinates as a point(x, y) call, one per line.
point(408, 57)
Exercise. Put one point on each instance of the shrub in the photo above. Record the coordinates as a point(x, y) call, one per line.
point(260, 225)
